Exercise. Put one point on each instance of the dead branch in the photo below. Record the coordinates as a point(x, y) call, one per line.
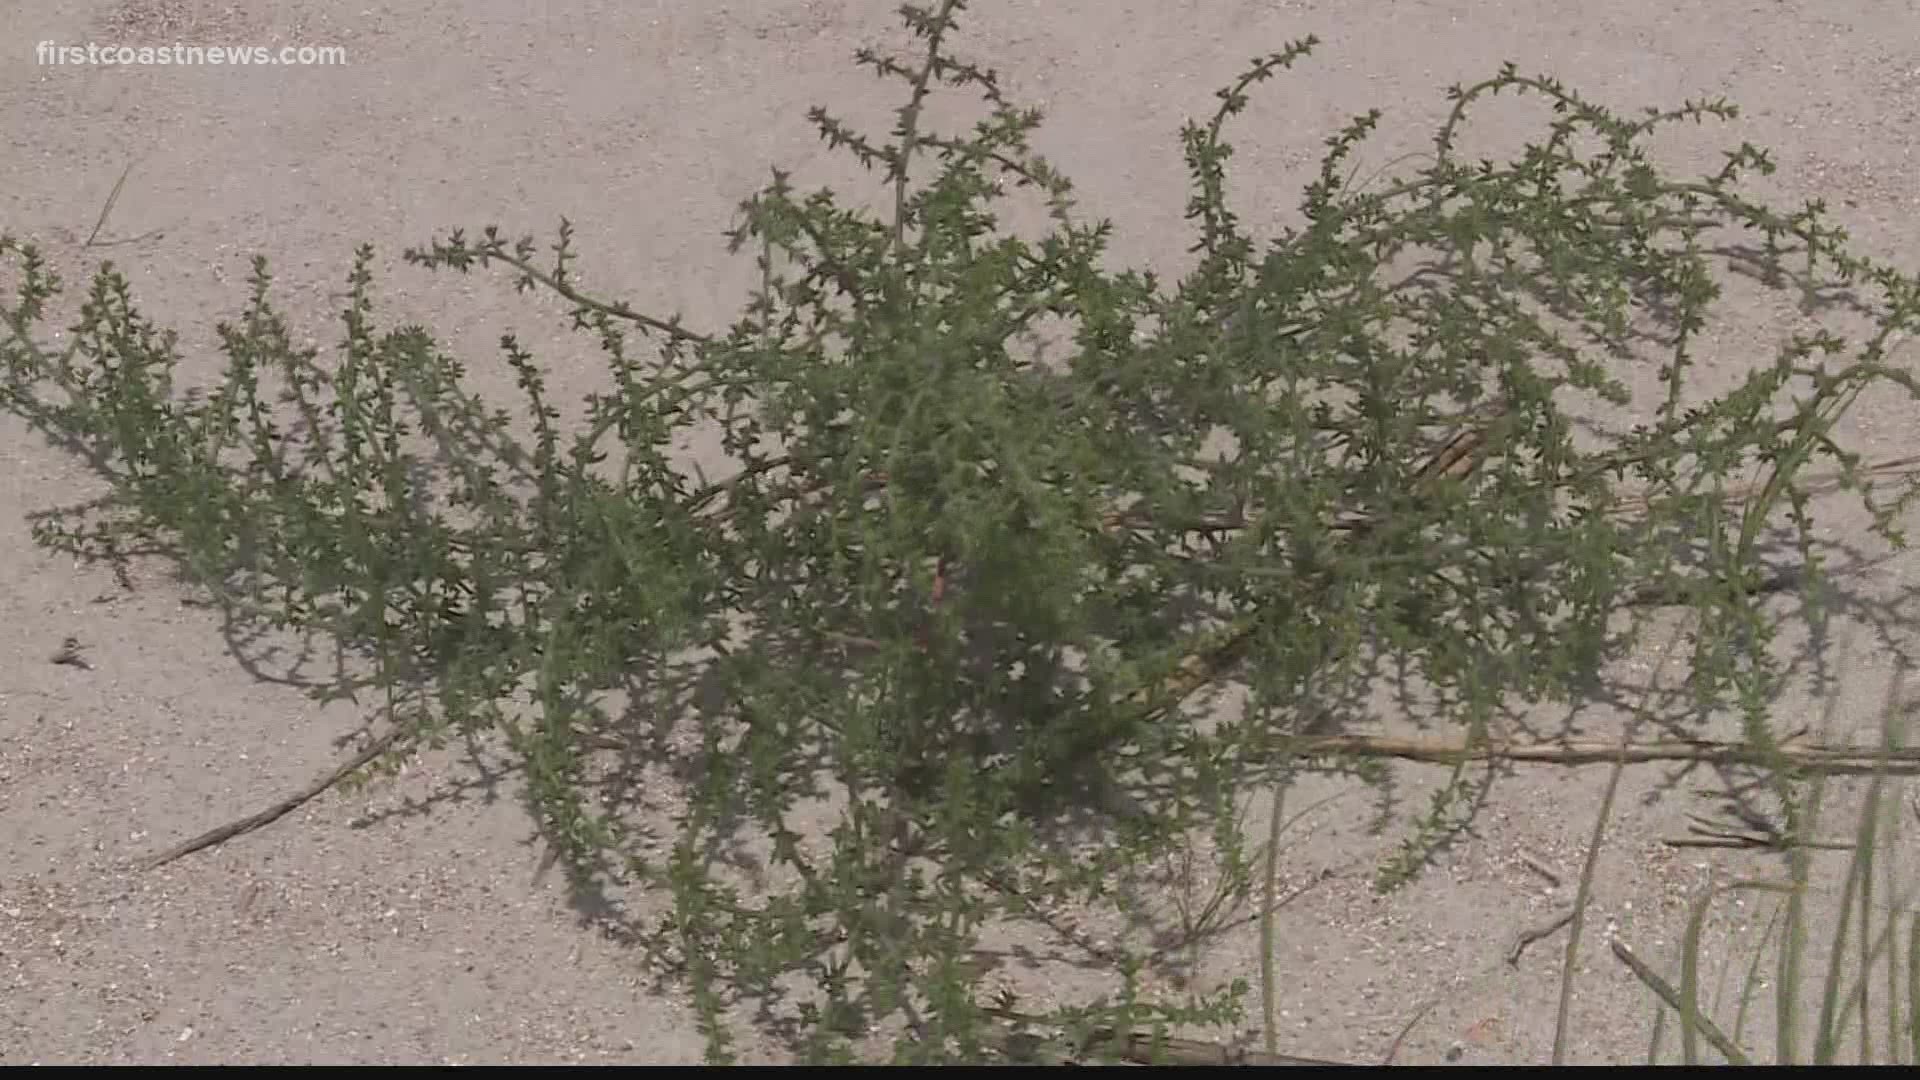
point(275, 812)
point(1666, 993)
point(1812, 758)
point(1528, 935)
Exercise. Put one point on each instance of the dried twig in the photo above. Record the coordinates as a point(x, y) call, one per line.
point(1530, 935)
point(1813, 758)
point(1666, 993)
point(275, 812)
point(1764, 836)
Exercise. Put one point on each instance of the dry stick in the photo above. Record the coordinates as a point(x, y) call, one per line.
point(1754, 843)
point(107, 209)
point(1393, 1048)
point(1530, 935)
point(1829, 760)
point(1706, 835)
point(1666, 993)
point(275, 812)
point(1816, 758)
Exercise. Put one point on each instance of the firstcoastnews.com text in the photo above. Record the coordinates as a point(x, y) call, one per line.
point(93, 54)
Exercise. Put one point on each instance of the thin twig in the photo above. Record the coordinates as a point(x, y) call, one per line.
point(1666, 993)
point(1530, 935)
point(1393, 1048)
point(1828, 760)
point(107, 209)
point(1540, 868)
point(1816, 758)
point(1752, 843)
point(1765, 836)
point(275, 812)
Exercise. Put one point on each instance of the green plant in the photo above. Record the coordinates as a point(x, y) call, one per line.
point(958, 593)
